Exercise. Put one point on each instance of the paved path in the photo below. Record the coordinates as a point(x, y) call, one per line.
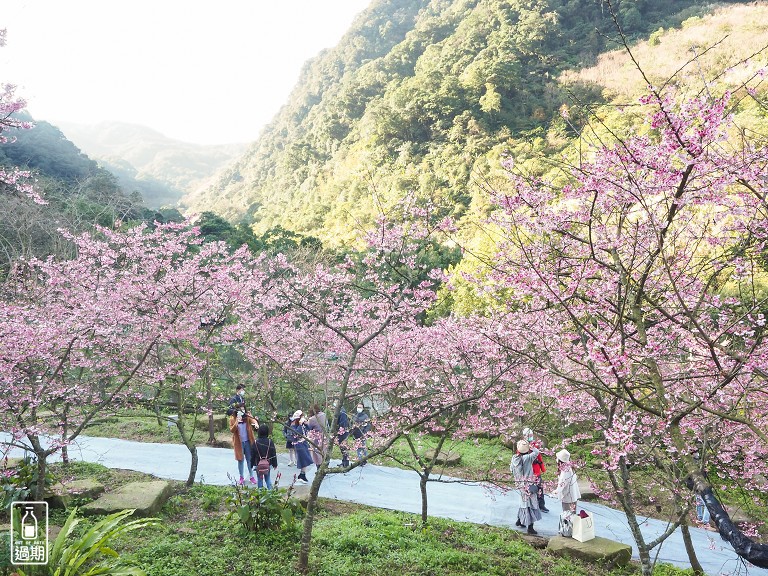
point(397, 489)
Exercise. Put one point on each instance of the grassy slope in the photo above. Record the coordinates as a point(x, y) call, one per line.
point(732, 33)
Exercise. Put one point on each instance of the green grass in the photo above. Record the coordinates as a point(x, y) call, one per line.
point(477, 455)
point(142, 428)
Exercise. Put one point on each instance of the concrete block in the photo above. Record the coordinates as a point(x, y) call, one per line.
point(602, 550)
point(146, 497)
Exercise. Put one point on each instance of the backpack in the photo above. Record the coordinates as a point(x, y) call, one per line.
point(262, 466)
point(565, 527)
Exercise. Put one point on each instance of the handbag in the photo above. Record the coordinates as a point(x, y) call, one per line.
point(565, 526)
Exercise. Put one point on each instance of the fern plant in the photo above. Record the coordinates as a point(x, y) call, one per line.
point(91, 554)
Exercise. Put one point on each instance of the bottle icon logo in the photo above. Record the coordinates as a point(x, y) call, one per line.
point(29, 524)
point(29, 533)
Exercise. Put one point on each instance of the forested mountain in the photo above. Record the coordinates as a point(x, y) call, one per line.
point(161, 169)
point(47, 151)
point(424, 96)
point(78, 194)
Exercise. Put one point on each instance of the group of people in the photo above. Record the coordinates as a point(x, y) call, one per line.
point(306, 439)
point(359, 427)
point(528, 466)
point(251, 450)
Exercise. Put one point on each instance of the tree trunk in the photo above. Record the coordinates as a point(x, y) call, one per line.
point(64, 428)
point(209, 406)
point(309, 519)
point(751, 551)
point(423, 478)
point(692, 558)
point(188, 442)
point(41, 455)
point(156, 410)
point(623, 488)
point(42, 467)
point(192, 467)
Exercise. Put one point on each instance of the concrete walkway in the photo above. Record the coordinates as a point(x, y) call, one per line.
point(397, 489)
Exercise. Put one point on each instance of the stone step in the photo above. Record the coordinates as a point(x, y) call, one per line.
point(146, 497)
point(608, 553)
point(61, 494)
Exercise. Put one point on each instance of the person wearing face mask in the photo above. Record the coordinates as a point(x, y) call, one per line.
point(522, 469)
point(538, 467)
point(361, 425)
point(341, 437)
point(237, 402)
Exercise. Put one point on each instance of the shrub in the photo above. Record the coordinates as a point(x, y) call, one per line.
point(262, 509)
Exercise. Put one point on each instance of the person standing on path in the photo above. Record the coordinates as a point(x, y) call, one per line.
point(538, 467)
point(342, 435)
point(360, 428)
point(567, 483)
point(241, 424)
point(299, 439)
point(264, 448)
point(318, 434)
point(525, 481)
point(288, 434)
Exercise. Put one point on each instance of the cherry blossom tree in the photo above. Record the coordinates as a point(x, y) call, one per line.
point(82, 337)
point(639, 290)
point(13, 181)
point(355, 329)
point(450, 381)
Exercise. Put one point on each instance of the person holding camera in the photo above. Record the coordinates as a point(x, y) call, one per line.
point(298, 436)
point(237, 402)
point(538, 467)
point(241, 424)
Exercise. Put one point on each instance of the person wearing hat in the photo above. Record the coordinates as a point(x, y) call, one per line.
point(525, 481)
point(538, 467)
point(567, 484)
point(298, 436)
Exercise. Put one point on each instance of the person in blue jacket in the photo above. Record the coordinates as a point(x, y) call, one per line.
point(342, 435)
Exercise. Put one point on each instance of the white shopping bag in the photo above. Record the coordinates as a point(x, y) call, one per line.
point(583, 528)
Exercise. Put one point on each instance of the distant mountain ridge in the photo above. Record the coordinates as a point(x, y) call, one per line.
point(160, 168)
point(423, 96)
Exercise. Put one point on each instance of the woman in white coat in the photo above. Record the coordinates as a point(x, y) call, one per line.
point(567, 484)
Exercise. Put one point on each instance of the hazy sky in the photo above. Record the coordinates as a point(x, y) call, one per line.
point(201, 71)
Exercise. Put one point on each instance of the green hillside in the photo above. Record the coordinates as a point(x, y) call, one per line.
point(78, 194)
point(161, 169)
point(424, 96)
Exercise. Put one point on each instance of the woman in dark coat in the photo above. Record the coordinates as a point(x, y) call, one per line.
point(299, 432)
point(264, 448)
